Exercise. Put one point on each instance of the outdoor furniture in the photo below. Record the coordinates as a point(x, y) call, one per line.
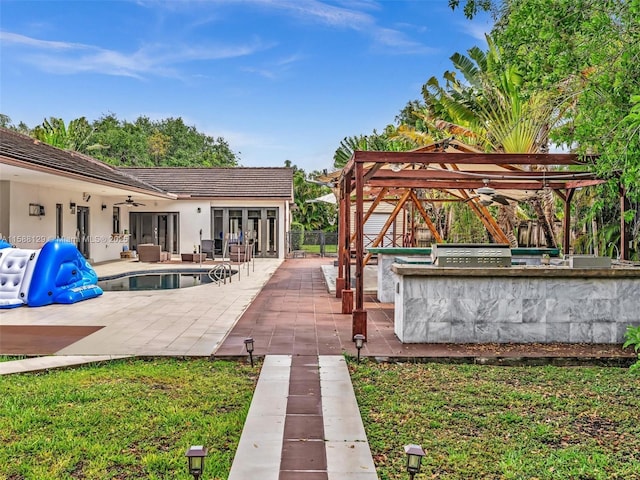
point(193, 257)
point(148, 252)
point(207, 247)
point(240, 253)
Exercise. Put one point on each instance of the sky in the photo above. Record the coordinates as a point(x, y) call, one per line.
point(277, 79)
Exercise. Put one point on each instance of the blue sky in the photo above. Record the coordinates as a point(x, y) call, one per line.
point(278, 79)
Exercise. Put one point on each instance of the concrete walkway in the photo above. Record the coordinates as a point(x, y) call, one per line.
point(299, 428)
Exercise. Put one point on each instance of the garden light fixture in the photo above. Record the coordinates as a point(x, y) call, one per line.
point(359, 339)
point(195, 455)
point(248, 343)
point(414, 458)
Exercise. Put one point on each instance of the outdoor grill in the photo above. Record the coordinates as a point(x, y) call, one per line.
point(471, 255)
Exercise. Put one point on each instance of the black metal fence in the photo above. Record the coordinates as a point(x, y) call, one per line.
point(315, 242)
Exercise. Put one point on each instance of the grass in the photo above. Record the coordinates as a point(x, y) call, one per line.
point(127, 419)
point(479, 422)
point(11, 358)
point(328, 249)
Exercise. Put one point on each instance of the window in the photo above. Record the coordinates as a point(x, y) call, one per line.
point(58, 220)
point(116, 220)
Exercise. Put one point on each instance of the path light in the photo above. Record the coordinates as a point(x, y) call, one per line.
point(248, 343)
point(195, 455)
point(359, 339)
point(414, 458)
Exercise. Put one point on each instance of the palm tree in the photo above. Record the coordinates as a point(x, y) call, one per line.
point(488, 108)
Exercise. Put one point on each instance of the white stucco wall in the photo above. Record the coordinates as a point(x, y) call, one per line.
point(26, 231)
point(34, 231)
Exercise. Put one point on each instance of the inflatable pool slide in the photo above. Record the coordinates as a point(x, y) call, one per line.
point(56, 273)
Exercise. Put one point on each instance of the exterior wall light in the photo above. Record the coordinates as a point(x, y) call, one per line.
point(195, 456)
point(414, 459)
point(248, 343)
point(359, 339)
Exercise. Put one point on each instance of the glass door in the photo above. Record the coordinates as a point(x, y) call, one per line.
point(82, 230)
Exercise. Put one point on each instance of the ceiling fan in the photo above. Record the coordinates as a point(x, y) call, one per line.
point(488, 196)
point(130, 202)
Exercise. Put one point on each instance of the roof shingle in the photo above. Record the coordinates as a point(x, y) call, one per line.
point(235, 182)
point(28, 152)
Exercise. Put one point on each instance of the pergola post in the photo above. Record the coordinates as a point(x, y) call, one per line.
point(359, 325)
point(341, 243)
point(566, 222)
point(347, 293)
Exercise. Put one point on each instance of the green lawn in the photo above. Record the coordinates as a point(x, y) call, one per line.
point(129, 419)
point(328, 249)
point(480, 422)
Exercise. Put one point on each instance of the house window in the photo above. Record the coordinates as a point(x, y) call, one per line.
point(116, 220)
point(58, 220)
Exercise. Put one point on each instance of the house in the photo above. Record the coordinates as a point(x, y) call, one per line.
point(50, 193)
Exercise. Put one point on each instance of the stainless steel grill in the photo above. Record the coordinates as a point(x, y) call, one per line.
point(471, 255)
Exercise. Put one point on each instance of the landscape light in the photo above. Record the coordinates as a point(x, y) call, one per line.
point(414, 458)
point(195, 456)
point(248, 343)
point(359, 339)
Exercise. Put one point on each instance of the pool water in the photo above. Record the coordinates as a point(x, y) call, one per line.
point(154, 281)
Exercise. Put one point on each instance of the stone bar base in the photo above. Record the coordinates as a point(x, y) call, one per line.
point(515, 305)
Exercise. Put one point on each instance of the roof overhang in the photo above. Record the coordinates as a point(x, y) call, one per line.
point(24, 172)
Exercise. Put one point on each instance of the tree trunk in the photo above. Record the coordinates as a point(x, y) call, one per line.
point(542, 219)
point(507, 222)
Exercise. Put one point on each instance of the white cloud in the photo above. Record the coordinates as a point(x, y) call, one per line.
point(476, 30)
point(349, 14)
point(9, 38)
point(158, 59)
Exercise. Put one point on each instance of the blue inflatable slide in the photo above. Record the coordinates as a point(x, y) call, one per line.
point(56, 273)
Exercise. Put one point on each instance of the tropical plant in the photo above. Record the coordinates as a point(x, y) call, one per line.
point(308, 214)
point(632, 336)
point(376, 142)
point(77, 136)
point(489, 108)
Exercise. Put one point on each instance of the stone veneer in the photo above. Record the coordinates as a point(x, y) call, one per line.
point(387, 257)
point(515, 305)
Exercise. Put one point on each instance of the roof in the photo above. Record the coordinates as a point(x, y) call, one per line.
point(233, 182)
point(237, 182)
point(26, 152)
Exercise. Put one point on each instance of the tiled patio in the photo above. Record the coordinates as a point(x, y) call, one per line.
point(182, 322)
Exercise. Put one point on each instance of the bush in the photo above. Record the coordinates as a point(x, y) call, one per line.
point(633, 338)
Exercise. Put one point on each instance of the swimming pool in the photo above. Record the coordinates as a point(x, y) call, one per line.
point(155, 280)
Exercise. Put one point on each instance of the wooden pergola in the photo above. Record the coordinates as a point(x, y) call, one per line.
point(456, 171)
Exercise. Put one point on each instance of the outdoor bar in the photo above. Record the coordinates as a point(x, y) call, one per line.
point(519, 304)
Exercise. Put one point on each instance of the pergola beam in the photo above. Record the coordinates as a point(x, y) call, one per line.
point(467, 158)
